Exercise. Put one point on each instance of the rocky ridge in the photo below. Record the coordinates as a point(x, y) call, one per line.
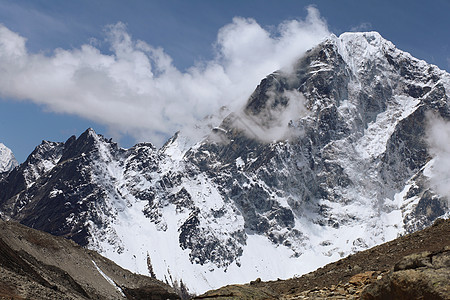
point(37, 265)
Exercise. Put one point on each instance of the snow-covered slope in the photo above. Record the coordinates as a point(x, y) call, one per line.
point(7, 159)
point(324, 160)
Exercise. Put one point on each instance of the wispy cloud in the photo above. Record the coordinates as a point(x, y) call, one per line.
point(365, 26)
point(438, 138)
point(33, 22)
point(275, 121)
point(136, 89)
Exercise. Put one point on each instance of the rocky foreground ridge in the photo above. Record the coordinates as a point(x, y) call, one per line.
point(415, 266)
point(37, 265)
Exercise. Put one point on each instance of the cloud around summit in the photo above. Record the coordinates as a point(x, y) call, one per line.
point(438, 139)
point(135, 87)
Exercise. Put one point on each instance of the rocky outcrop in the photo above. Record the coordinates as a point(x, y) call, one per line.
point(424, 275)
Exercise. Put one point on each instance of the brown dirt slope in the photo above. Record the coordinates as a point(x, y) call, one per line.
point(372, 274)
point(37, 265)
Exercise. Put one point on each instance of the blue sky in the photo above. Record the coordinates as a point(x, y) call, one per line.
point(187, 45)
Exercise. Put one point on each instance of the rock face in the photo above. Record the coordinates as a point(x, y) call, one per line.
point(326, 159)
point(37, 265)
point(7, 159)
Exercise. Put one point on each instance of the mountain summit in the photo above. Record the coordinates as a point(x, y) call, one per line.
point(7, 159)
point(328, 157)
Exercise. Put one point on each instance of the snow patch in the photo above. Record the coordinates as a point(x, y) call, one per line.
point(54, 193)
point(109, 279)
point(240, 162)
point(373, 143)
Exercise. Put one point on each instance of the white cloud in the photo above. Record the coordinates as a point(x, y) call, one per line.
point(274, 122)
point(438, 138)
point(136, 88)
point(365, 26)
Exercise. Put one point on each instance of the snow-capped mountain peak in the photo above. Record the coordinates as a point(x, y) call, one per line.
point(7, 159)
point(322, 161)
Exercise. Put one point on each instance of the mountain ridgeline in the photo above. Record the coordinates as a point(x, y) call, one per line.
point(327, 158)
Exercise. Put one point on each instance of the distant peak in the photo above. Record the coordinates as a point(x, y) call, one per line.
point(364, 39)
point(91, 131)
point(358, 48)
point(89, 134)
point(371, 35)
point(7, 159)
